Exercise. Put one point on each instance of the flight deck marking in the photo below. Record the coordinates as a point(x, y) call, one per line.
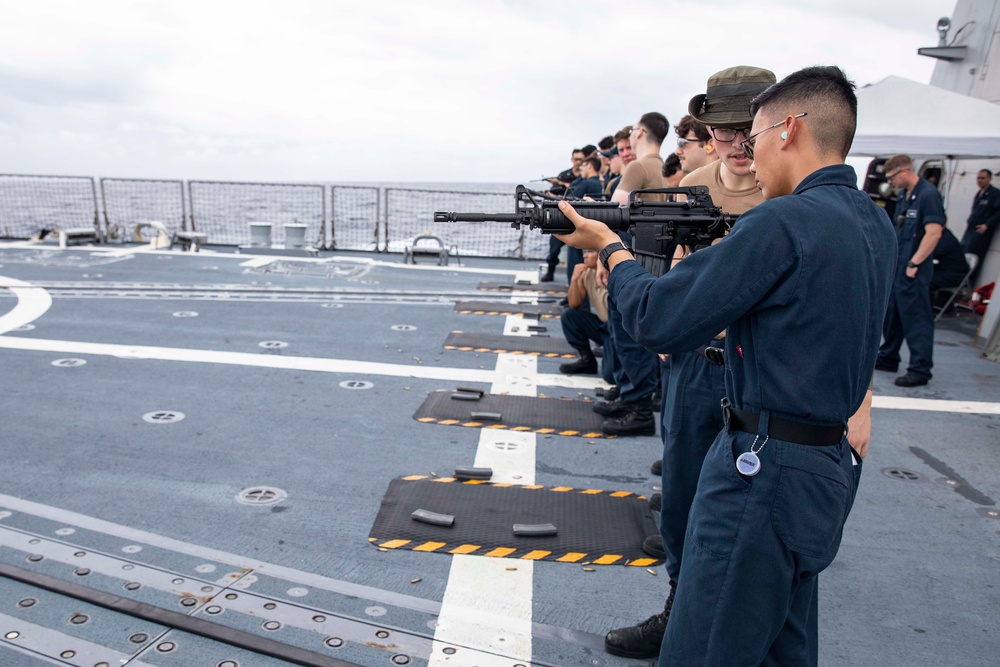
point(33, 302)
point(478, 587)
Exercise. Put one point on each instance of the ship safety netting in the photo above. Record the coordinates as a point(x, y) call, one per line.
point(31, 204)
point(225, 210)
point(131, 202)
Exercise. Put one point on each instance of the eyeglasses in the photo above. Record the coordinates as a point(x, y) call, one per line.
point(635, 129)
point(748, 143)
point(682, 142)
point(889, 177)
point(728, 134)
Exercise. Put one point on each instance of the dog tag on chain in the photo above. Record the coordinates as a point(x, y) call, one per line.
point(748, 464)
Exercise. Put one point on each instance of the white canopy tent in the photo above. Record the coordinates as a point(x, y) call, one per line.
point(897, 115)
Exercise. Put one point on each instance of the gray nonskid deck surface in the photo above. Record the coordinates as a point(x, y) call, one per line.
point(915, 582)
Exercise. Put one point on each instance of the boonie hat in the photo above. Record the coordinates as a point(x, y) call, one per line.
point(728, 96)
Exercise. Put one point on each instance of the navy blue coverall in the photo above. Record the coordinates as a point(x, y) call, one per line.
point(985, 211)
point(910, 316)
point(690, 420)
point(802, 283)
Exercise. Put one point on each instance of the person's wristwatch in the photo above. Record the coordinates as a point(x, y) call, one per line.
point(911, 265)
point(608, 250)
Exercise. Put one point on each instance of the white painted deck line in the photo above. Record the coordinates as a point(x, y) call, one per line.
point(488, 601)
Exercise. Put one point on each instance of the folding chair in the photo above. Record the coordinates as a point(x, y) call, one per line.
point(964, 287)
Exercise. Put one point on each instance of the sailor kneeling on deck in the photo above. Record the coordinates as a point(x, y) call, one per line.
point(801, 286)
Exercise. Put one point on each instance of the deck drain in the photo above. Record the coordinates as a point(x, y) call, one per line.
point(65, 531)
point(205, 568)
point(271, 625)
point(69, 363)
point(166, 647)
point(333, 305)
point(261, 495)
point(163, 417)
point(79, 619)
point(298, 592)
point(185, 313)
point(400, 659)
point(25, 327)
point(900, 474)
point(273, 344)
point(403, 327)
point(334, 642)
point(375, 611)
point(131, 549)
point(228, 663)
point(27, 602)
point(139, 638)
point(356, 384)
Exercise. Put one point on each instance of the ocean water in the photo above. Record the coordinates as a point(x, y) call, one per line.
point(356, 216)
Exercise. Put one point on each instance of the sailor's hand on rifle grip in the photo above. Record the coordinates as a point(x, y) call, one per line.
point(589, 234)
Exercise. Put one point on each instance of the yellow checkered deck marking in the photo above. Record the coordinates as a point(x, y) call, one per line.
point(520, 429)
point(551, 355)
point(543, 316)
point(521, 553)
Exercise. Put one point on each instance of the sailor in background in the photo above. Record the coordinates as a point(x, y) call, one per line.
point(983, 220)
point(919, 221)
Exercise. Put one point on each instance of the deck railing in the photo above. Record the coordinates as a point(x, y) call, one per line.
point(337, 217)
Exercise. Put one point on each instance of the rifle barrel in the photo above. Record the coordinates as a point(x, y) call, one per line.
point(474, 217)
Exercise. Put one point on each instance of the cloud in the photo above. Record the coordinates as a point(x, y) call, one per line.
point(446, 91)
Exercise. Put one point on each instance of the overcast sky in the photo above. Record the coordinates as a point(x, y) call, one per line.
point(389, 90)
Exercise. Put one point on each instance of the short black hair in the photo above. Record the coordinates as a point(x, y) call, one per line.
point(606, 143)
point(827, 95)
point(985, 171)
point(656, 124)
point(589, 150)
point(595, 162)
point(671, 165)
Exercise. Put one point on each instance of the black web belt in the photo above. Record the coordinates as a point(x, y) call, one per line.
point(782, 429)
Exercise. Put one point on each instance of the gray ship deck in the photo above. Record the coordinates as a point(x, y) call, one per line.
point(145, 390)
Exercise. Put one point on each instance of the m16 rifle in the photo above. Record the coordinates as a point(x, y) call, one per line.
point(658, 226)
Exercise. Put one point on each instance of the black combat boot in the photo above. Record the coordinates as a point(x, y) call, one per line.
point(643, 640)
point(637, 421)
point(613, 408)
point(653, 545)
point(656, 502)
point(587, 363)
point(550, 274)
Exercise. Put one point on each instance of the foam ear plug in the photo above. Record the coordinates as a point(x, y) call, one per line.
point(784, 135)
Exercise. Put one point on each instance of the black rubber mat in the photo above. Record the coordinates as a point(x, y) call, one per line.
point(594, 527)
point(530, 414)
point(542, 310)
point(470, 341)
point(546, 288)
